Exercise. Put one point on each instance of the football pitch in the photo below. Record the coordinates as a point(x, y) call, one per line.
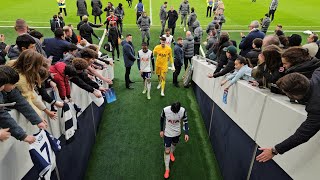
point(128, 145)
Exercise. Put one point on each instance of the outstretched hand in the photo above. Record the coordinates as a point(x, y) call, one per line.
point(266, 155)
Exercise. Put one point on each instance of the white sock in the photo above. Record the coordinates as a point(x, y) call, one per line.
point(166, 160)
point(173, 147)
point(148, 86)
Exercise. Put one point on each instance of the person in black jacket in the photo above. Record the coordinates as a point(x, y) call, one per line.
point(231, 53)
point(297, 86)
point(297, 59)
point(3, 50)
point(178, 60)
point(172, 18)
point(113, 36)
point(270, 68)
point(252, 55)
point(86, 30)
point(129, 58)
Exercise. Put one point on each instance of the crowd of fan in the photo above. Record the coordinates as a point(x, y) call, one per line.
point(33, 64)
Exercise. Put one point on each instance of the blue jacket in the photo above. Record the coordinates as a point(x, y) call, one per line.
point(55, 47)
point(246, 42)
point(178, 55)
point(128, 53)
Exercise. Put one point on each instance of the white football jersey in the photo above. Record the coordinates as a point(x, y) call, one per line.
point(145, 60)
point(172, 127)
point(42, 153)
point(168, 39)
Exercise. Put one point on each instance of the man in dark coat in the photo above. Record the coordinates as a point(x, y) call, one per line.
point(246, 42)
point(297, 86)
point(128, 57)
point(86, 30)
point(82, 8)
point(178, 60)
point(172, 19)
point(96, 10)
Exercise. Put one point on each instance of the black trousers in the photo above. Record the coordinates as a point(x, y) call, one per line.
point(95, 19)
point(127, 78)
point(138, 15)
point(172, 30)
point(209, 9)
point(196, 49)
point(176, 74)
point(271, 13)
point(65, 11)
point(186, 60)
point(115, 47)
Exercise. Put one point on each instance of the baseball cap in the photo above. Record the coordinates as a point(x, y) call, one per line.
point(232, 50)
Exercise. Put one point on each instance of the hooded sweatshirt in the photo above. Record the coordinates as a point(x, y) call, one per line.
point(188, 47)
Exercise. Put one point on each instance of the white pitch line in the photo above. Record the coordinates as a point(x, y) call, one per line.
point(150, 11)
point(102, 38)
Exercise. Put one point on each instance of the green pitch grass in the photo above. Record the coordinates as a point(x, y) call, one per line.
point(128, 145)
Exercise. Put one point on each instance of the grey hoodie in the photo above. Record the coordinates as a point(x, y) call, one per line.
point(197, 32)
point(144, 23)
point(192, 18)
point(184, 8)
point(188, 47)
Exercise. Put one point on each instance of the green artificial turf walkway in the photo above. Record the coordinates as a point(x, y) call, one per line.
point(128, 145)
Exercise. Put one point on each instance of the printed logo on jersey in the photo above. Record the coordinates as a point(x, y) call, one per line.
point(145, 59)
point(40, 138)
point(162, 55)
point(173, 121)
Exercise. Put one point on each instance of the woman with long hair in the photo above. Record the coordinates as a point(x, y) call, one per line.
point(28, 66)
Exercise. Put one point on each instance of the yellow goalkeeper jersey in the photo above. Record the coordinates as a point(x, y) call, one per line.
point(163, 55)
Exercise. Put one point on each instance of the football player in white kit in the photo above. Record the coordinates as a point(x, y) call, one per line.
point(145, 59)
point(169, 37)
point(170, 124)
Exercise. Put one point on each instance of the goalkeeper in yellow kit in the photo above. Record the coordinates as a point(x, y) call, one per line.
point(163, 54)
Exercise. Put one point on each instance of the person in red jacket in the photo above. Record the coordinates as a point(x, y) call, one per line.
point(61, 74)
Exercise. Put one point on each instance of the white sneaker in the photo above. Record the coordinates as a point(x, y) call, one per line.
point(184, 29)
point(148, 96)
point(162, 93)
point(159, 86)
point(144, 91)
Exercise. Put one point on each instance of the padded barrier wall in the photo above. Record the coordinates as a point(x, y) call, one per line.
point(252, 117)
point(72, 160)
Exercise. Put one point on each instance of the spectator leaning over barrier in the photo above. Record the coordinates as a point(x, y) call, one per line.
point(3, 49)
point(188, 49)
point(71, 54)
point(297, 86)
point(197, 37)
point(192, 18)
point(69, 35)
point(246, 42)
point(28, 66)
point(270, 67)
point(294, 40)
point(252, 55)
point(11, 94)
point(184, 10)
point(312, 46)
point(242, 71)
point(278, 31)
point(37, 34)
point(56, 46)
point(265, 23)
point(297, 59)
point(231, 53)
point(219, 52)
point(9, 126)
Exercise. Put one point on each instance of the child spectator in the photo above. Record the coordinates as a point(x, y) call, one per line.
point(253, 54)
point(242, 70)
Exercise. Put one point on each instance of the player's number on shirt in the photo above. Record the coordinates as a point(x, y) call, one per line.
point(46, 148)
